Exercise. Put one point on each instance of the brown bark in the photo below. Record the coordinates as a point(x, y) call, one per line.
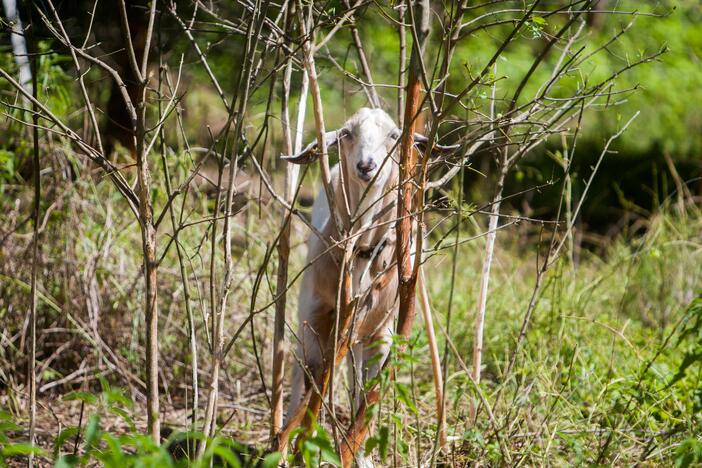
point(153, 421)
point(146, 214)
point(408, 164)
point(435, 358)
point(148, 236)
point(407, 279)
point(291, 173)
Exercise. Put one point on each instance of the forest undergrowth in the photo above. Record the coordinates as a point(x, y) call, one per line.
point(607, 372)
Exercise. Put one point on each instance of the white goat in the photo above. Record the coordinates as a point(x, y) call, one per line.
point(367, 143)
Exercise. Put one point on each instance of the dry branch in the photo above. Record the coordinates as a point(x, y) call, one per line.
point(291, 174)
point(36, 212)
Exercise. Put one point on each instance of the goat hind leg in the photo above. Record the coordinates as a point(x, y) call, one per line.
point(372, 358)
point(313, 336)
point(354, 361)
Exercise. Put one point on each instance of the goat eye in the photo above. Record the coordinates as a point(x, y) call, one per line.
point(344, 133)
point(395, 134)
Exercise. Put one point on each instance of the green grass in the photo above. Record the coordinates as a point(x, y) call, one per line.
point(608, 372)
point(594, 379)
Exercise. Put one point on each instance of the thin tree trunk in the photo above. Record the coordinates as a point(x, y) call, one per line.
point(279, 350)
point(408, 163)
point(403, 62)
point(485, 279)
point(291, 174)
point(152, 396)
point(435, 358)
point(146, 214)
point(35, 260)
point(148, 236)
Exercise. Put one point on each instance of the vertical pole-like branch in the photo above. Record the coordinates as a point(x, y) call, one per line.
point(403, 62)
point(408, 165)
point(343, 216)
point(291, 174)
point(502, 170)
point(282, 279)
point(148, 232)
point(485, 278)
point(35, 256)
point(146, 221)
point(435, 358)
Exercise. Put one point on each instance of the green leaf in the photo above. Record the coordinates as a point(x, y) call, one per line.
point(92, 432)
point(114, 455)
point(326, 449)
point(308, 451)
point(21, 448)
point(383, 442)
point(115, 396)
point(688, 360)
point(8, 426)
point(403, 394)
point(271, 460)
point(66, 461)
point(539, 21)
point(371, 444)
point(226, 454)
point(125, 417)
point(63, 436)
point(689, 453)
point(85, 397)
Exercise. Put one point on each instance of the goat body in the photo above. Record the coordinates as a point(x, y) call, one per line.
point(365, 181)
point(367, 143)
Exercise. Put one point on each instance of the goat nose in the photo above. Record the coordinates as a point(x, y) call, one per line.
point(366, 166)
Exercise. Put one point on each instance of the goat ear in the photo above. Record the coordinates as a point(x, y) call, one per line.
point(311, 152)
point(420, 141)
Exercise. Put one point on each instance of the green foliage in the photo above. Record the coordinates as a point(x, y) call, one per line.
point(381, 441)
point(689, 453)
point(610, 355)
point(666, 86)
point(132, 448)
point(316, 447)
point(9, 447)
point(690, 341)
